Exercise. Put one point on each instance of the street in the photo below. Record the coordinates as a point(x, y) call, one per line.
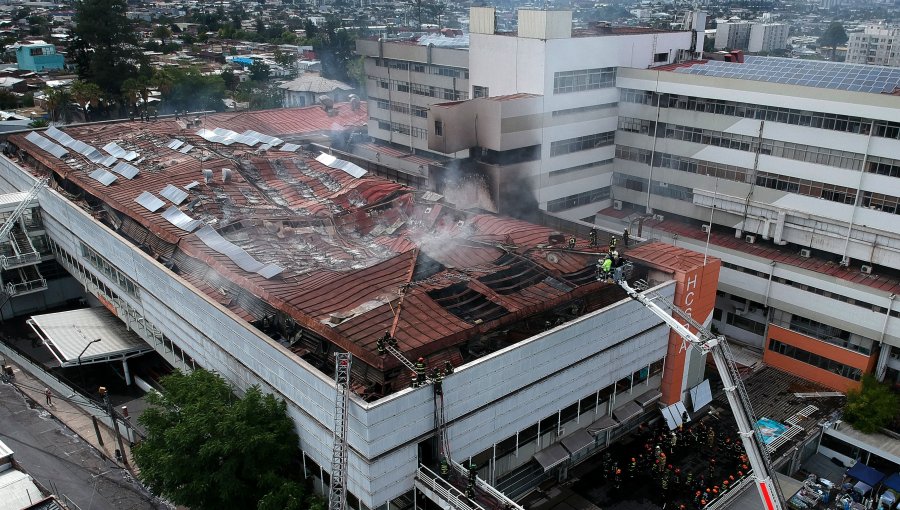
point(60, 460)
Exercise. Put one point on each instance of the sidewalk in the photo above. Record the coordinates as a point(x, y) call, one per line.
point(74, 417)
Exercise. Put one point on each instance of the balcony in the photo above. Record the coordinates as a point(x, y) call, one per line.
point(25, 280)
point(18, 250)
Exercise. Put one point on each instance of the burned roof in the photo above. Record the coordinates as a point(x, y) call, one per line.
point(309, 252)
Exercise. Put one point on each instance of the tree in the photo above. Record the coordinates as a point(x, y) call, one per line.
point(872, 407)
point(834, 36)
point(259, 71)
point(86, 94)
point(191, 90)
point(104, 44)
point(162, 33)
point(209, 449)
point(58, 101)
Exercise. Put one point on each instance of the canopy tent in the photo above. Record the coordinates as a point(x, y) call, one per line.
point(604, 423)
point(551, 456)
point(87, 335)
point(865, 474)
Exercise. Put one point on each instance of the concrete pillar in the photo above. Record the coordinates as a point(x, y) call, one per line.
point(128, 380)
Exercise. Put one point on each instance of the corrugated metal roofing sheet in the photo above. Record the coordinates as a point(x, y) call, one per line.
point(126, 170)
point(149, 201)
point(174, 216)
point(173, 194)
point(103, 176)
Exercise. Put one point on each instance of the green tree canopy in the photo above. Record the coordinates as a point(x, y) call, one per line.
point(834, 36)
point(209, 449)
point(104, 45)
point(259, 71)
point(872, 407)
point(188, 89)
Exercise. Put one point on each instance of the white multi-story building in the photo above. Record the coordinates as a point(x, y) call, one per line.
point(876, 45)
point(794, 164)
point(733, 35)
point(766, 37)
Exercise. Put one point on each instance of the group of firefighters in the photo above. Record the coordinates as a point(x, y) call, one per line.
point(420, 375)
point(663, 456)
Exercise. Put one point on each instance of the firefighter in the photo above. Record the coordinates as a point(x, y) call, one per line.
point(626, 236)
point(592, 236)
point(473, 475)
point(414, 382)
point(617, 479)
point(676, 477)
point(612, 243)
point(711, 439)
point(605, 268)
point(572, 242)
point(438, 378)
point(381, 342)
point(664, 483)
point(689, 479)
point(632, 467)
point(445, 467)
point(420, 371)
point(448, 368)
point(607, 464)
point(673, 442)
point(712, 466)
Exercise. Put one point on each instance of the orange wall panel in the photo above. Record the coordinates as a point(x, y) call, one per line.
point(810, 372)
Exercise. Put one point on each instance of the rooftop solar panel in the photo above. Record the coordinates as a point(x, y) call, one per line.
point(187, 148)
point(175, 144)
point(290, 147)
point(125, 170)
point(46, 145)
point(149, 201)
point(175, 195)
point(244, 260)
point(333, 162)
point(108, 162)
point(105, 178)
point(180, 220)
point(810, 73)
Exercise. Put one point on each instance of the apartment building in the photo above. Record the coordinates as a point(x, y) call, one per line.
point(766, 37)
point(733, 35)
point(876, 45)
point(787, 170)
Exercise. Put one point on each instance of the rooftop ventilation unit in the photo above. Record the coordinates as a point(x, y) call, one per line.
point(750, 239)
point(226, 175)
point(705, 228)
point(617, 205)
point(207, 175)
point(865, 269)
point(806, 253)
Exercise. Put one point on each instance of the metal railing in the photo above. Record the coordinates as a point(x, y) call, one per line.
point(23, 259)
point(15, 289)
point(445, 490)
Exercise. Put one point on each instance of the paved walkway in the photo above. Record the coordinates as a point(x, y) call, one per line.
point(64, 409)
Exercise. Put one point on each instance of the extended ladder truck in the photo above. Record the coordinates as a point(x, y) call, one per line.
point(707, 342)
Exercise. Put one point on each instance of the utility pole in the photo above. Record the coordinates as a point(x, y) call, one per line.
point(120, 453)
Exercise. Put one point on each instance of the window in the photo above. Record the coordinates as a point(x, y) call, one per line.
point(583, 79)
point(438, 128)
point(661, 57)
point(815, 360)
point(479, 91)
point(588, 197)
point(581, 143)
point(583, 109)
point(109, 270)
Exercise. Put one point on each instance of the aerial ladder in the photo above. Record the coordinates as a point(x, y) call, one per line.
point(707, 342)
point(337, 496)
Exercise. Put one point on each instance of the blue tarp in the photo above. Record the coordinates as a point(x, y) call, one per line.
point(893, 482)
point(865, 474)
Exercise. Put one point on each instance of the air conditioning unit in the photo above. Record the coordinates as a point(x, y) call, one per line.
point(806, 253)
point(705, 228)
point(865, 269)
point(750, 239)
point(617, 205)
point(560, 432)
point(659, 217)
point(663, 184)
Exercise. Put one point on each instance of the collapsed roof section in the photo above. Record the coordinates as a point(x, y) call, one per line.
point(324, 260)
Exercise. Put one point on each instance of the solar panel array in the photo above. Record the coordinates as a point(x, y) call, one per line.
point(228, 137)
point(187, 148)
point(105, 178)
point(237, 255)
point(46, 145)
point(808, 73)
point(149, 201)
point(118, 152)
point(175, 195)
point(290, 147)
point(175, 144)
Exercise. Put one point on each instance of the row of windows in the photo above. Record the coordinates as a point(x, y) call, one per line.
point(420, 89)
point(582, 143)
point(403, 108)
point(583, 79)
point(667, 190)
point(706, 137)
point(633, 125)
point(588, 197)
point(812, 154)
point(583, 109)
point(739, 321)
point(572, 169)
point(417, 67)
point(829, 121)
point(814, 290)
point(403, 129)
point(883, 166)
point(824, 332)
point(629, 182)
point(109, 270)
point(815, 360)
point(830, 192)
